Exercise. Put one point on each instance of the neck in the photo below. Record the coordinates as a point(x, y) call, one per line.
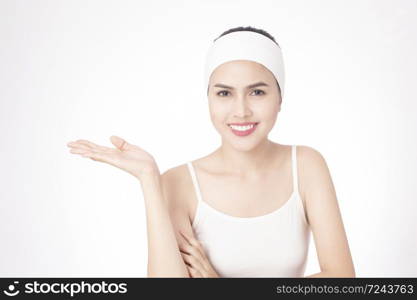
point(242, 163)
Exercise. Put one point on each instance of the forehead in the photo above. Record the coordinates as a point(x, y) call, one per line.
point(242, 70)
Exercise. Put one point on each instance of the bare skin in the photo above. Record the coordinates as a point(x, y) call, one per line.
point(243, 170)
point(235, 196)
point(164, 258)
point(231, 178)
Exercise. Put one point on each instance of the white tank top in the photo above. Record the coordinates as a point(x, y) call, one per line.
point(271, 245)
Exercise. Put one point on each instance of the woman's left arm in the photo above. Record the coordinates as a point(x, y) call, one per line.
point(324, 215)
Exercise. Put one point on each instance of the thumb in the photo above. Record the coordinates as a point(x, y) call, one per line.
point(120, 143)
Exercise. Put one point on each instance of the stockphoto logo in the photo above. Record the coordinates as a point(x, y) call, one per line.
point(72, 288)
point(11, 289)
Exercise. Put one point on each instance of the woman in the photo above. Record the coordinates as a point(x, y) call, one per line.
point(247, 208)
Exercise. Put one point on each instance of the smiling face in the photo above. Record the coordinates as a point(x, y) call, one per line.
point(246, 93)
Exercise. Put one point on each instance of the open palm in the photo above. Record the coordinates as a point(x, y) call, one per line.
point(125, 156)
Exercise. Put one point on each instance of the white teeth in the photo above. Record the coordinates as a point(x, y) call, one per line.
point(241, 128)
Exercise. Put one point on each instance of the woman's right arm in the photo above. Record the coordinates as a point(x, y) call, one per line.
point(164, 257)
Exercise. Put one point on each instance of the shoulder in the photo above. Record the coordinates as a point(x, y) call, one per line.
point(309, 156)
point(314, 172)
point(311, 162)
point(324, 216)
point(174, 180)
point(175, 185)
point(174, 175)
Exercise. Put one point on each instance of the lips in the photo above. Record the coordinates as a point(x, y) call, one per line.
point(243, 124)
point(243, 129)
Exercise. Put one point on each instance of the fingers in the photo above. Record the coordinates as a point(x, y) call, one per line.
point(91, 145)
point(91, 150)
point(190, 249)
point(87, 145)
point(118, 142)
point(194, 265)
point(97, 156)
point(193, 254)
point(195, 243)
point(87, 153)
point(79, 151)
point(122, 144)
point(78, 146)
point(194, 273)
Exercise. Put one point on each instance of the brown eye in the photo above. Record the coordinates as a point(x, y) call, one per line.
point(260, 91)
point(221, 92)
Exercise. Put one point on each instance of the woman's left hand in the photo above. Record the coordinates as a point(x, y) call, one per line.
point(195, 258)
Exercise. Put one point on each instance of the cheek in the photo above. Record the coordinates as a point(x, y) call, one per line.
point(267, 112)
point(218, 113)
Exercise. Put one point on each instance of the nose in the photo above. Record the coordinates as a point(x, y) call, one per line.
point(241, 108)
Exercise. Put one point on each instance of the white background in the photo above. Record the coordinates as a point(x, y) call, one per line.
point(91, 69)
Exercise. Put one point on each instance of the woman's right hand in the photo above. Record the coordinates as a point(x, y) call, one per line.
point(125, 156)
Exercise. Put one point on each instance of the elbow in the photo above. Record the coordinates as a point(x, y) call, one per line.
point(152, 273)
point(351, 273)
point(166, 275)
point(345, 273)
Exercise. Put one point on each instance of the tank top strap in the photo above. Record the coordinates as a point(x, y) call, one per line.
point(294, 168)
point(195, 180)
point(295, 185)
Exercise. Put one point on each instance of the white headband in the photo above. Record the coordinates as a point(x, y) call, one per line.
point(246, 45)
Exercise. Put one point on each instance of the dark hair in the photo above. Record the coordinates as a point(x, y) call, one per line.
point(253, 29)
point(248, 28)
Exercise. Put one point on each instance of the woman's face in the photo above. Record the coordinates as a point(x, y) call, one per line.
point(233, 100)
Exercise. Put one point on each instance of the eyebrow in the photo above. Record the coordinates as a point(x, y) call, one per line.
point(220, 85)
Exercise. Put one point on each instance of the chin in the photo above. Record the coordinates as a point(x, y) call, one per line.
point(243, 144)
point(244, 147)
